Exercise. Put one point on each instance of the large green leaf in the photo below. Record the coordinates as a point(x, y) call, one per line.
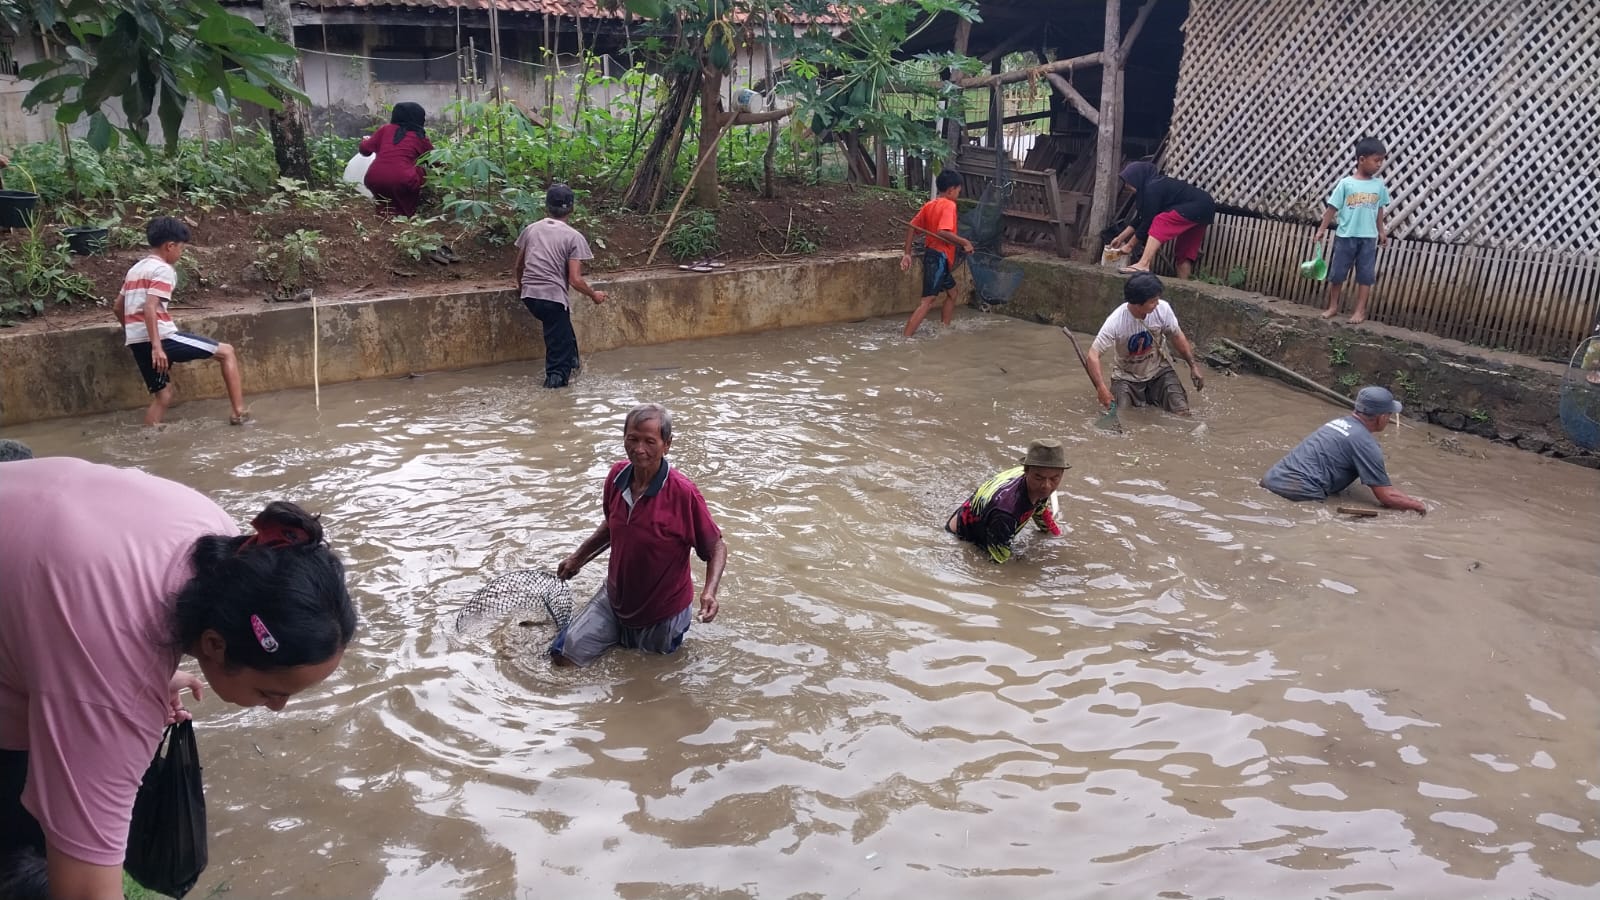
point(645, 9)
point(51, 88)
point(101, 135)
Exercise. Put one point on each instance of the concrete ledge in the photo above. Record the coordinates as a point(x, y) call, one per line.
point(1501, 396)
point(88, 370)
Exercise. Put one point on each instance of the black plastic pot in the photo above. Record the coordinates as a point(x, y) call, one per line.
point(16, 208)
point(86, 240)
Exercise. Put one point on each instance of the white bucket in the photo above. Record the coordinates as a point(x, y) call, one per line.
point(749, 101)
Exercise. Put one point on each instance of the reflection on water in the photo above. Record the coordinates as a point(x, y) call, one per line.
point(1199, 691)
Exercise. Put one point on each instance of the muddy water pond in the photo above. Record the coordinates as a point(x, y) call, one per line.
point(1199, 691)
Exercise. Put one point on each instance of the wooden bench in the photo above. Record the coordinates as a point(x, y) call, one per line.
point(1037, 203)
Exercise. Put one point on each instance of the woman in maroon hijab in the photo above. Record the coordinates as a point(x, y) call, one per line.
point(395, 175)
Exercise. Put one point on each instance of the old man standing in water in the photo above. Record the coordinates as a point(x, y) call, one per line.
point(1002, 506)
point(1331, 458)
point(652, 515)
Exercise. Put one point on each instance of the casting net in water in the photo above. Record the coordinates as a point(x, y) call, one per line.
point(1580, 397)
point(528, 593)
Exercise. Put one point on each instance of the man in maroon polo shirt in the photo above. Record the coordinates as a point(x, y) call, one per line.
point(653, 515)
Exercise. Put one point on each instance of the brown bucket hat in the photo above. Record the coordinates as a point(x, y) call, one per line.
point(1047, 453)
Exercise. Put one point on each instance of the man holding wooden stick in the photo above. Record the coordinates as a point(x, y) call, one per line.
point(1331, 458)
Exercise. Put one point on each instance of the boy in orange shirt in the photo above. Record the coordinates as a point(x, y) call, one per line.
point(936, 220)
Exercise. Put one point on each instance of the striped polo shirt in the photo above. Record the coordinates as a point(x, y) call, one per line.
point(151, 277)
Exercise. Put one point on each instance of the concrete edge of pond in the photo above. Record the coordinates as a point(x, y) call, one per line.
point(85, 370)
point(1504, 397)
point(1499, 396)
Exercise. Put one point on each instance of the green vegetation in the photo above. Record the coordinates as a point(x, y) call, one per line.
point(417, 236)
point(292, 262)
point(1478, 415)
point(1403, 383)
point(1338, 352)
point(37, 271)
point(1350, 379)
point(153, 57)
point(1235, 278)
point(695, 235)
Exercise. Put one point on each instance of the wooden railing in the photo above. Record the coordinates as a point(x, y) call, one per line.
point(1537, 302)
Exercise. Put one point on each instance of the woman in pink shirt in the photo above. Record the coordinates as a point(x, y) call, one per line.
point(108, 578)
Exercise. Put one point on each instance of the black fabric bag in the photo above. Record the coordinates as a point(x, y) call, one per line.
point(167, 837)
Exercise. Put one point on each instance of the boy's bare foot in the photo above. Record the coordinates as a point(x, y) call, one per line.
point(1357, 318)
point(1329, 313)
point(1592, 378)
point(241, 417)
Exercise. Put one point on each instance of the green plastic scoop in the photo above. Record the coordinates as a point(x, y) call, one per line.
point(1315, 268)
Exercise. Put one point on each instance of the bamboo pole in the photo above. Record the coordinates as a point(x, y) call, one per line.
point(1325, 393)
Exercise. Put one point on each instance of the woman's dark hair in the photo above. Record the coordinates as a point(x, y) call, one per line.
point(277, 597)
point(409, 117)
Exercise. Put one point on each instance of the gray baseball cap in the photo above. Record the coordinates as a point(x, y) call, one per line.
point(1376, 401)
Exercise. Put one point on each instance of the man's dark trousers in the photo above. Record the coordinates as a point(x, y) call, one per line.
point(560, 341)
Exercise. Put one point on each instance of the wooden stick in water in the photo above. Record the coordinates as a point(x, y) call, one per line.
point(1365, 512)
point(316, 367)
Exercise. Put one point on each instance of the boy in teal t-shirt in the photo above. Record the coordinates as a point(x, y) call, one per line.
point(1357, 201)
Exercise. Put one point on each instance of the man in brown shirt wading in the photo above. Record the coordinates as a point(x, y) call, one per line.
point(550, 256)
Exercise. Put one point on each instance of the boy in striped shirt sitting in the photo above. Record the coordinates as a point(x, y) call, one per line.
point(142, 309)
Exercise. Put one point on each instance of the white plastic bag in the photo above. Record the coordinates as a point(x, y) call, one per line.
point(355, 172)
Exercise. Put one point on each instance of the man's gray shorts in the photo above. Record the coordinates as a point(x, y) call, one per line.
point(1164, 390)
point(595, 629)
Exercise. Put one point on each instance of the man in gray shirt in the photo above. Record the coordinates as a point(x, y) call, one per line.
point(1335, 455)
point(550, 256)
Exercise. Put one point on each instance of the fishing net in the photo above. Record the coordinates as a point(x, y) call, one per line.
point(1580, 395)
point(530, 593)
point(994, 277)
point(988, 177)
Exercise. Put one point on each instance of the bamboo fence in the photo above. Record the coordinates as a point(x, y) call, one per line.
point(1490, 111)
point(1539, 302)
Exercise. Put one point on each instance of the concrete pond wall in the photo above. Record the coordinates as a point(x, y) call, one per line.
point(1500, 396)
point(85, 370)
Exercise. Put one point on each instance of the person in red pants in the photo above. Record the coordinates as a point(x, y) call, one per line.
point(395, 176)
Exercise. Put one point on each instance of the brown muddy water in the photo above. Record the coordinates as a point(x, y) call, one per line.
point(1201, 691)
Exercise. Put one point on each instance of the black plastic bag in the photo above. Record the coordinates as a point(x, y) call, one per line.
point(167, 837)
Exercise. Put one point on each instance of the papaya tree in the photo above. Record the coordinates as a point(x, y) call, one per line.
point(847, 84)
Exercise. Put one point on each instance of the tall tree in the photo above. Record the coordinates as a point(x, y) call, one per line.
point(155, 55)
point(287, 122)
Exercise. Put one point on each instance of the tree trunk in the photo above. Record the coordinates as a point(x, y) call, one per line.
point(882, 160)
point(705, 184)
point(767, 190)
point(656, 165)
point(287, 124)
point(1107, 153)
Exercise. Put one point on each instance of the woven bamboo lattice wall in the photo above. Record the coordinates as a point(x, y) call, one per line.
point(1490, 110)
point(1540, 302)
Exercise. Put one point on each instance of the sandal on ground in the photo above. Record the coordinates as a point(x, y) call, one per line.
point(1131, 270)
